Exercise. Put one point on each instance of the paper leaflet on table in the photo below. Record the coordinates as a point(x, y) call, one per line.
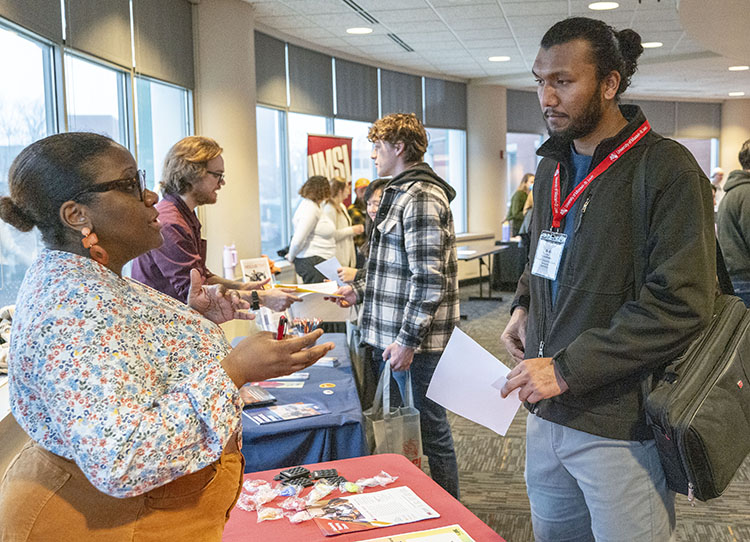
point(280, 413)
point(352, 513)
point(467, 381)
point(280, 384)
point(329, 270)
point(451, 533)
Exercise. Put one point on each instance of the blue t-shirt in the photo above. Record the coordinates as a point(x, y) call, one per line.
point(581, 164)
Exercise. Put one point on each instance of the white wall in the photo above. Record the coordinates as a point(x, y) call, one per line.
point(224, 46)
point(486, 170)
point(735, 130)
point(225, 110)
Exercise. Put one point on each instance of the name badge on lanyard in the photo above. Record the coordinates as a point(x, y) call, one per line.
point(551, 244)
point(548, 255)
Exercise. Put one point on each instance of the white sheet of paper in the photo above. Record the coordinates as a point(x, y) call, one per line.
point(468, 380)
point(328, 268)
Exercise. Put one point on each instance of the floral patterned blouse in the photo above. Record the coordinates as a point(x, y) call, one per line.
point(119, 378)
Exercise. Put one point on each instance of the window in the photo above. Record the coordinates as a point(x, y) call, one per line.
point(362, 164)
point(522, 158)
point(299, 126)
point(446, 153)
point(274, 214)
point(164, 116)
point(96, 99)
point(26, 114)
point(705, 152)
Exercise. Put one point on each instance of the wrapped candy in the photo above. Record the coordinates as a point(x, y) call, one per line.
point(289, 490)
point(299, 517)
point(350, 487)
point(293, 503)
point(251, 486)
point(269, 513)
point(320, 490)
point(246, 502)
point(264, 494)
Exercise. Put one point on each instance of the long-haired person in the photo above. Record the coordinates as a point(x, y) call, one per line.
point(313, 239)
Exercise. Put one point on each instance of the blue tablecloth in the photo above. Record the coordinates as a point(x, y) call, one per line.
point(338, 435)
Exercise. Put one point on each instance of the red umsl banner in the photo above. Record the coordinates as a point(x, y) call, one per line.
point(330, 156)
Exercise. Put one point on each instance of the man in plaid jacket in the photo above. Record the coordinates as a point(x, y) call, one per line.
point(410, 292)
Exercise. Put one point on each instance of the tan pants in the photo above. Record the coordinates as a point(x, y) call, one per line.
point(45, 497)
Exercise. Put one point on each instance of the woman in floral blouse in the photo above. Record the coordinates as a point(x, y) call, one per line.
point(129, 396)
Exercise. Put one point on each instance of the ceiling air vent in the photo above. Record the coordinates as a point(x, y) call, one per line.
point(401, 43)
point(360, 11)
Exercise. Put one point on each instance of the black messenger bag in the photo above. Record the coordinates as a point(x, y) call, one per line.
point(699, 406)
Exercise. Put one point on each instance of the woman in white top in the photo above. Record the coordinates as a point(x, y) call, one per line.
point(345, 231)
point(313, 239)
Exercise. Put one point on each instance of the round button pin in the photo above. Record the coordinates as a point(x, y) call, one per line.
point(328, 392)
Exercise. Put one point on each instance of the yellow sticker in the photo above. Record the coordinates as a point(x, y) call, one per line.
point(328, 385)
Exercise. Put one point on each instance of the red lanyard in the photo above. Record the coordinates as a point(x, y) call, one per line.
point(559, 211)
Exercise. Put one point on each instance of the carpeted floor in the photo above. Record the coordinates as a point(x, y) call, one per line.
point(491, 466)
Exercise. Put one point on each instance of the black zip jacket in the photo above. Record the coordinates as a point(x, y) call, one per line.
point(603, 335)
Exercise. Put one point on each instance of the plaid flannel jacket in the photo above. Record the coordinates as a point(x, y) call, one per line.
point(410, 292)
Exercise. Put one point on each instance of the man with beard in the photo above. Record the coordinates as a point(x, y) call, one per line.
point(583, 337)
point(193, 174)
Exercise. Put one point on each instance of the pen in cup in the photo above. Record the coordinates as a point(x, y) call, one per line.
point(281, 331)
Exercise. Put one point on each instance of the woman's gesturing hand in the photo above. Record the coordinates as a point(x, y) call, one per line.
point(261, 356)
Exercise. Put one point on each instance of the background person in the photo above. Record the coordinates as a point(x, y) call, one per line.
point(517, 202)
point(313, 240)
point(372, 197)
point(344, 234)
point(129, 396)
point(717, 180)
point(410, 293)
point(733, 225)
point(358, 211)
point(582, 337)
point(193, 175)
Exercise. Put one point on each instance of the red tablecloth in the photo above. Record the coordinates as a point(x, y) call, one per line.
point(243, 526)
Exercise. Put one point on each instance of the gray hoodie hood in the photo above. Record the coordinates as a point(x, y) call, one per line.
point(423, 172)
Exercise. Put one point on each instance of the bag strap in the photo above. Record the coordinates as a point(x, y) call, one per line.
point(640, 238)
point(383, 392)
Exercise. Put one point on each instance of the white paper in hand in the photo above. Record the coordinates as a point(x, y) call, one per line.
point(468, 380)
point(328, 269)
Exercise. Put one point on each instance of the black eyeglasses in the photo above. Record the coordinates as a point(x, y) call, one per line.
point(133, 185)
point(219, 176)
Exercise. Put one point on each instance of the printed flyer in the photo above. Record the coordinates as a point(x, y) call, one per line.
point(366, 511)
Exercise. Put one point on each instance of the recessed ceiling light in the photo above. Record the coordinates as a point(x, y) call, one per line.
point(499, 58)
point(601, 6)
point(738, 68)
point(736, 93)
point(652, 44)
point(359, 30)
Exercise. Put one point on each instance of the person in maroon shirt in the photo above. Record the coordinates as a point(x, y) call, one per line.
point(193, 174)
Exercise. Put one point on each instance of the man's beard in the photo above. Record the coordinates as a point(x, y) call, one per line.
point(582, 125)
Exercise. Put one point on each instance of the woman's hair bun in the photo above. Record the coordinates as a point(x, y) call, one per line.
point(14, 215)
